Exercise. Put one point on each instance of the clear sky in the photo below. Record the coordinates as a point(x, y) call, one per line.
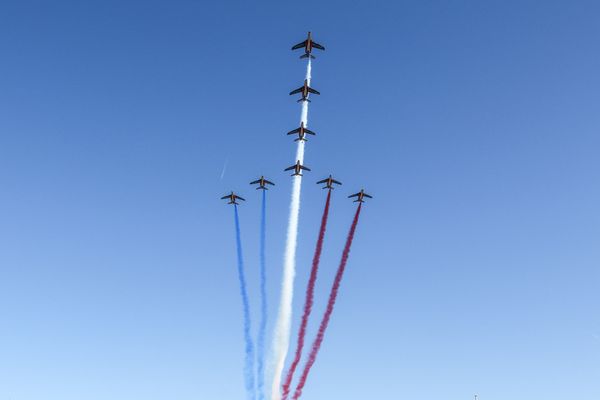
point(475, 124)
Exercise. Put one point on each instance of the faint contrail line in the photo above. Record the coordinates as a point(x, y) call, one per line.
point(330, 304)
point(308, 304)
point(281, 335)
point(249, 348)
point(224, 168)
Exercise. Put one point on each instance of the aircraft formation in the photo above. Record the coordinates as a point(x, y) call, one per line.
point(255, 378)
point(305, 90)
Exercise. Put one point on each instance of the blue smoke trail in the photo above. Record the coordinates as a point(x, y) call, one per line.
point(249, 361)
point(263, 299)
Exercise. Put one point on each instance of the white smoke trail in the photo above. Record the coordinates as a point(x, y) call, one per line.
point(281, 336)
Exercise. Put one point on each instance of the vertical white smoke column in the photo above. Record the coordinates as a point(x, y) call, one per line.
point(281, 336)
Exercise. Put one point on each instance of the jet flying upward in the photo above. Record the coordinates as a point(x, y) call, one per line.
point(297, 168)
point(308, 45)
point(232, 198)
point(360, 196)
point(304, 90)
point(302, 131)
point(329, 182)
point(262, 182)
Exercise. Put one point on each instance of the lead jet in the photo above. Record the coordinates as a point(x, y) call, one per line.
point(304, 90)
point(302, 131)
point(262, 182)
point(232, 198)
point(329, 182)
point(297, 168)
point(360, 196)
point(308, 45)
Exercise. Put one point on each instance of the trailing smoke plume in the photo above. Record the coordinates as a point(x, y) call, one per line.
point(308, 304)
point(330, 305)
point(263, 301)
point(281, 339)
point(249, 346)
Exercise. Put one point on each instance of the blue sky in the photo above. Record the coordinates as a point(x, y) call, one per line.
point(474, 124)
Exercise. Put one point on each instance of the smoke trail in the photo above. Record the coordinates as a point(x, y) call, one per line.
point(281, 336)
point(263, 300)
point(224, 168)
point(310, 290)
point(249, 350)
point(330, 304)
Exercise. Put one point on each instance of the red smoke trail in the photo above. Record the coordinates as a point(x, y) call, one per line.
point(330, 304)
point(308, 304)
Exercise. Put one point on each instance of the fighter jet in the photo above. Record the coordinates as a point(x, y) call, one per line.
point(262, 182)
point(302, 131)
point(360, 196)
point(297, 168)
point(304, 90)
point(329, 182)
point(232, 198)
point(308, 45)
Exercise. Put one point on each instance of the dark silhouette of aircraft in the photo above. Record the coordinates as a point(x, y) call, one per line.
point(232, 198)
point(297, 168)
point(304, 90)
point(360, 196)
point(301, 131)
point(329, 182)
point(308, 45)
point(262, 182)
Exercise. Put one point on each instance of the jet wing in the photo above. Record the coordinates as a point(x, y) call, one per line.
point(292, 132)
point(323, 181)
point(269, 182)
point(318, 46)
point(337, 182)
point(354, 195)
point(367, 195)
point(225, 197)
point(255, 182)
point(300, 45)
point(290, 168)
point(240, 198)
point(299, 90)
point(304, 168)
point(309, 131)
point(311, 90)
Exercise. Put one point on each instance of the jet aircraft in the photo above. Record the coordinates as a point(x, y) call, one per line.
point(329, 182)
point(304, 90)
point(297, 168)
point(262, 182)
point(302, 131)
point(360, 196)
point(308, 45)
point(232, 198)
